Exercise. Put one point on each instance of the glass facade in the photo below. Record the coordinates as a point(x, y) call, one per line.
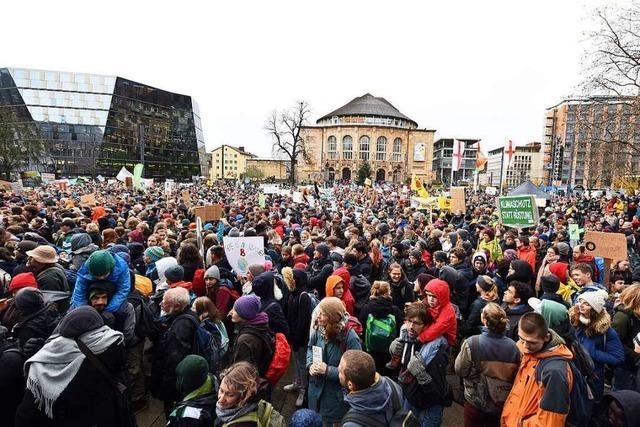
point(93, 125)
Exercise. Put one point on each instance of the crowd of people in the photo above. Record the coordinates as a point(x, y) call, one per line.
point(386, 314)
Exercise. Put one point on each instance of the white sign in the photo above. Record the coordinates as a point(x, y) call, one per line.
point(297, 197)
point(168, 186)
point(17, 187)
point(47, 177)
point(243, 251)
point(419, 152)
point(269, 188)
point(492, 191)
point(100, 178)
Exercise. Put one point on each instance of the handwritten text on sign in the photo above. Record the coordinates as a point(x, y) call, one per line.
point(243, 251)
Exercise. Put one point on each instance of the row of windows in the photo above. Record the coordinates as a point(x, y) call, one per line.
point(364, 148)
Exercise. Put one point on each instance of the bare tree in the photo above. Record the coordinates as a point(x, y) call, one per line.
point(285, 128)
point(21, 144)
point(608, 120)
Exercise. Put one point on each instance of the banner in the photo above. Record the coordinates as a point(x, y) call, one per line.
point(243, 251)
point(137, 175)
point(123, 174)
point(492, 191)
point(518, 211)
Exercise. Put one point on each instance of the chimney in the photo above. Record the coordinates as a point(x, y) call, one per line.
point(241, 148)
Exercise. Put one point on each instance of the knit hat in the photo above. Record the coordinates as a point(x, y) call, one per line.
point(323, 249)
point(44, 254)
point(415, 253)
point(191, 373)
point(485, 283)
point(305, 418)
point(596, 299)
point(154, 252)
point(136, 236)
point(553, 312)
point(23, 280)
point(550, 283)
point(101, 287)
point(174, 273)
point(563, 248)
point(212, 272)
point(479, 256)
point(79, 321)
point(29, 300)
point(510, 254)
point(333, 308)
point(101, 263)
point(247, 306)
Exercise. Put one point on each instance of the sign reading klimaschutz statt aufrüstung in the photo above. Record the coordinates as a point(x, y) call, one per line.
point(518, 211)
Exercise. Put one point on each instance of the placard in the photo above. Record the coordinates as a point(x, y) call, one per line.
point(5, 185)
point(492, 191)
point(297, 197)
point(17, 187)
point(606, 245)
point(88, 199)
point(574, 232)
point(186, 198)
point(458, 199)
point(262, 201)
point(243, 251)
point(518, 211)
point(269, 188)
point(208, 213)
point(444, 203)
point(47, 177)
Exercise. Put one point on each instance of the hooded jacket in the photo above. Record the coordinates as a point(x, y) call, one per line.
point(528, 254)
point(374, 401)
point(380, 307)
point(346, 298)
point(297, 311)
point(628, 400)
point(319, 272)
point(81, 248)
point(120, 276)
point(627, 325)
point(444, 315)
point(458, 286)
point(545, 403)
point(254, 344)
point(522, 272)
point(263, 287)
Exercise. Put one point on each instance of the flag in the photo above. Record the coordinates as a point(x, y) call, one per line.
point(137, 175)
point(456, 158)
point(509, 153)
point(416, 185)
point(481, 160)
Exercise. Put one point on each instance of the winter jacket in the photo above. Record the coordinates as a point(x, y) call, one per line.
point(380, 307)
point(197, 409)
point(37, 325)
point(297, 311)
point(493, 247)
point(175, 344)
point(465, 270)
point(522, 272)
point(528, 254)
point(319, 271)
point(513, 315)
point(444, 315)
point(374, 401)
point(473, 325)
point(120, 276)
point(346, 298)
point(88, 400)
point(628, 400)
point(325, 392)
point(627, 325)
point(263, 287)
point(602, 343)
point(458, 286)
point(360, 288)
point(414, 270)
point(81, 249)
point(254, 344)
point(365, 266)
point(544, 403)
point(499, 358)
point(53, 278)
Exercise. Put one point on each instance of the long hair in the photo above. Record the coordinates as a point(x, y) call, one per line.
point(108, 236)
point(189, 254)
point(242, 378)
point(204, 305)
point(335, 311)
point(376, 253)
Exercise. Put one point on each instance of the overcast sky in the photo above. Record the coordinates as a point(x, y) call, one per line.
point(465, 68)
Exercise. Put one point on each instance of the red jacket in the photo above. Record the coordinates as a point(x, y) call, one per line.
point(528, 254)
point(444, 315)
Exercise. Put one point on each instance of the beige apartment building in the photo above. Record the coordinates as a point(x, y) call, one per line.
point(366, 129)
point(229, 162)
point(270, 168)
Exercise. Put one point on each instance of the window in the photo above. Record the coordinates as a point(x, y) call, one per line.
point(397, 150)
point(381, 148)
point(347, 147)
point(333, 148)
point(364, 148)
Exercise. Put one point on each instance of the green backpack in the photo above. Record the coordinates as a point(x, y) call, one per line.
point(263, 416)
point(380, 333)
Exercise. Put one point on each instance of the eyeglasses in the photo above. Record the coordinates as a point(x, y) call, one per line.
point(414, 323)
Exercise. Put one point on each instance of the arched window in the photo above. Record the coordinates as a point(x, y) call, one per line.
point(381, 148)
point(347, 147)
point(397, 150)
point(364, 148)
point(333, 148)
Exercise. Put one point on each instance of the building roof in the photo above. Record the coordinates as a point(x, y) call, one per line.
point(368, 105)
point(238, 149)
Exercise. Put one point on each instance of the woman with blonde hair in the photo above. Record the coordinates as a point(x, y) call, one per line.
point(488, 358)
point(329, 340)
point(380, 314)
point(487, 292)
point(238, 400)
point(626, 322)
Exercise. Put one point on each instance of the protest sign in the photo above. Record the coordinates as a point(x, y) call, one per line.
point(606, 245)
point(492, 191)
point(518, 211)
point(269, 188)
point(88, 199)
point(423, 203)
point(458, 199)
point(297, 197)
point(574, 232)
point(47, 177)
point(262, 201)
point(243, 251)
point(186, 197)
point(444, 203)
point(17, 187)
point(168, 186)
point(208, 213)
point(367, 182)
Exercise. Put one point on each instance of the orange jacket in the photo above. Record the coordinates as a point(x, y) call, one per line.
point(540, 404)
point(528, 254)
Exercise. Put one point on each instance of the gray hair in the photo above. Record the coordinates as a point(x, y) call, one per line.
point(178, 296)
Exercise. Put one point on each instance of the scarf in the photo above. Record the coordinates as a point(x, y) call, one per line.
point(51, 369)
point(261, 318)
point(230, 414)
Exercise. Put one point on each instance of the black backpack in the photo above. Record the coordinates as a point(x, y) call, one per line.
point(147, 323)
point(401, 417)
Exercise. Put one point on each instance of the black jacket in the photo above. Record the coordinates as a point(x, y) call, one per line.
point(37, 325)
point(53, 279)
point(413, 271)
point(458, 286)
point(206, 404)
point(298, 310)
point(254, 344)
point(380, 307)
point(319, 271)
point(263, 287)
point(401, 293)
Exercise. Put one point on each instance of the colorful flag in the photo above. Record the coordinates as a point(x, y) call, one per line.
point(137, 175)
point(416, 185)
point(481, 160)
point(456, 159)
point(509, 152)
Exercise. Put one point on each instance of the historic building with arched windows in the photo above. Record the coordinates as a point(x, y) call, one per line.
point(367, 129)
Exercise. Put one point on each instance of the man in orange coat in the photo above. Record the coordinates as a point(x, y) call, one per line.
point(546, 403)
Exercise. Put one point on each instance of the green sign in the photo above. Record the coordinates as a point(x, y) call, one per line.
point(574, 232)
point(518, 211)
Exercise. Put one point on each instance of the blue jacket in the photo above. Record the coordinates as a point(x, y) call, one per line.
point(375, 401)
point(120, 276)
point(325, 392)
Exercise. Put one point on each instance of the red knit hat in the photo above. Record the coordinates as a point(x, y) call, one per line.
point(23, 280)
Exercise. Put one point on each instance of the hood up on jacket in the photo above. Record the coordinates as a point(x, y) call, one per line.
point(522, 271)
point(374, 400)
point(163, 264)
point(332, 282)
point(263, 286)
point(440, 289)
point(628, 400)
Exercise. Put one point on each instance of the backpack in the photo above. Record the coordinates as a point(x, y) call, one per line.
point(147, 323)
point(380, 332)
point(313, 297)
point(496, 390)
point(264, 416)
point(280, 361)
point(206, 342)
point(401, 417)
point(580, 397)
point(584, 362)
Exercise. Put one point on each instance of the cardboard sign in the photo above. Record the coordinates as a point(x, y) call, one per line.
point(208, 213)
point(88, 199)
point(518, 211)
point(243, 251)
point(458, 199)
point(5, 185)
point(186, 198)
point(606, 245)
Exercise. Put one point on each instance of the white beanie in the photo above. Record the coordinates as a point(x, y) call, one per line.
point(596, 299)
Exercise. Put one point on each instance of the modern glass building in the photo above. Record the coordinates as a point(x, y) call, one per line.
point(94, 125)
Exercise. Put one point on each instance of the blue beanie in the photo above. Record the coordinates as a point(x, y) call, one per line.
point(305, 418)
